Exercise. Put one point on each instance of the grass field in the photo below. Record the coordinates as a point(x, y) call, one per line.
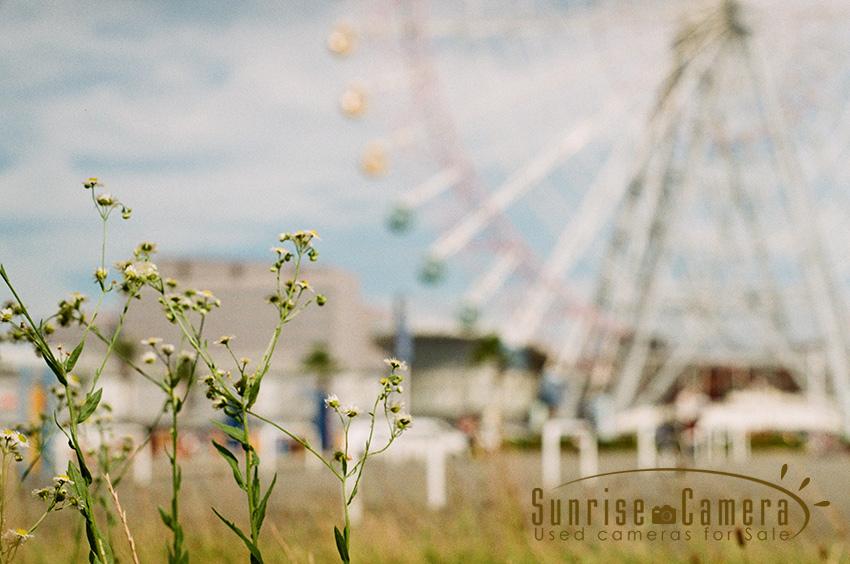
point(487, 519)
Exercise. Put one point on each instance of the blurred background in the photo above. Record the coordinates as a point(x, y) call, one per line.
point(604, 235)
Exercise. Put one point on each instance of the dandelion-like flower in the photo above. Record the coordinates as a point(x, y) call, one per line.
point(130, 272)
point(148, 271)
point(18, 536)
point(225, 339)
point(43, 493)
point(62, 479)
point(152, 341)
point(351, 410)
point(145, 248)
point(149, 357)
point(13, 441)
point(404, 421)
point(168, 350)
point(105, 199)
point(6, 314)
point(332, 401)
point(395, 363)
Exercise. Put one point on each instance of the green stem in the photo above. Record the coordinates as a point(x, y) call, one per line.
point(112, 341)
point(175, 479)
point(265, 364)
point(250, 484)
point(298, 440)
point(4, 472)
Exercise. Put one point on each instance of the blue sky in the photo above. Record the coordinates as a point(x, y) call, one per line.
point(219, 126)
point(218, 123)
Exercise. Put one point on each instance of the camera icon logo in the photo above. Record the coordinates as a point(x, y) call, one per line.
point(663, 515)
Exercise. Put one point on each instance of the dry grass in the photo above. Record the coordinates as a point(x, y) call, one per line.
point(487, 519)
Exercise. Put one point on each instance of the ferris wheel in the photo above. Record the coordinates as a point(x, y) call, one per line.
point(612, 178)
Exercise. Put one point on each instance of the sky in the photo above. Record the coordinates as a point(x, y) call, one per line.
point(218, 123)
point(219, 126)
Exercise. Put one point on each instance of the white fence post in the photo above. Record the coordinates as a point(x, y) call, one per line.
point(435, 476)
point(647, 453)
point(551, 453)
point(588, 451)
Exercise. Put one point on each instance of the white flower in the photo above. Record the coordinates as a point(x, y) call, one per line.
point(152, 341)
point(18, 536)
point(6, 314)
point(141, 271)
point(149, 358)
point(168, 350)
point(147, 270)
point(395, 363)
point(404, 421)
point(351, 410)
point(105, 199)
point(332, 401)
point(14, 439)
point(225, 339)
point(62, 479)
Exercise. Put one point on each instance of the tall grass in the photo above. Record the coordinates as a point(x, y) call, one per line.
point(233, 390)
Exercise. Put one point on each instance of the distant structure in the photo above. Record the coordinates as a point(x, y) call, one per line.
point(344, 326)
point(444, 381)
point(661, 230)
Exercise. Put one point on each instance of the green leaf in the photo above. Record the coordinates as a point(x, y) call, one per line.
point(166, 518)
point(261, 508)
point(233, 432)
point(341, 546)
point(232, 461)
point(253, 392)
point(353, 493)
point(252, 548)
point(75, 356)
point(98, 545)
point(56, 368)
point(91, 403)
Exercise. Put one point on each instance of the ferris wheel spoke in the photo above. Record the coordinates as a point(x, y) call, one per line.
point(630, 236)
point(489, 283)
point(518, 185)
point(825, 300)
point(600, 200)
point(430, 189)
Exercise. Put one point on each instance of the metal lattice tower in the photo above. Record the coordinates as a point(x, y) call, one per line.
point(693, 260)
point(697, 212)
